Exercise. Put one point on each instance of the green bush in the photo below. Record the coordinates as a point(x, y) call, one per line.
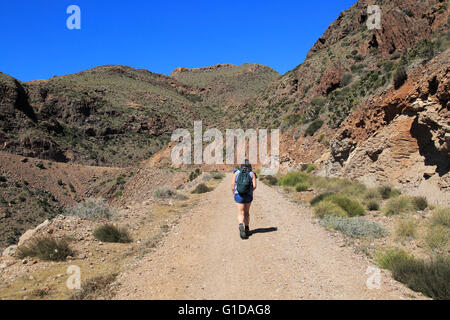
point(388, 257)
point(357, 67)
point(320, 137)
point(194, 174)
point(372, 205)
point(327, 208)
point(372, 194)
point(420, 203)
point(437, 238)
point(406, 229)
point(301, 187)
point(318, 101)
point(346, 79)
point(201, 188)
point(292, 178)
point(441, 216)
point(352, 188)
point(399, 205)
point(217, 175)
point(313, 127)
point(47, 249)
point(388, 66)
point(110, 233)
point(388, 192)
point(320, 197)
point(270, 180)
point(310, 168)
point(429, 277)
point(338, 185)
point(40, 165)
point(352, 207)
point(355, 227)
point(92, 208)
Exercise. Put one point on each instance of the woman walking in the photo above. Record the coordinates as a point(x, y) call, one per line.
point(242, 185)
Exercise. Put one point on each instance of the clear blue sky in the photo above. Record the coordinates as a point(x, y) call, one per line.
point(159, 35)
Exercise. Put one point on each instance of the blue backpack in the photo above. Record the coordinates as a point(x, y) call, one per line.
point(244, 181)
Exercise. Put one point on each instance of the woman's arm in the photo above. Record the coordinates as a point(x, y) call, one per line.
point(233, 182)
point(254, 181)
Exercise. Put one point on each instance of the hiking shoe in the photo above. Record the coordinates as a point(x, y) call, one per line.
point(242, 232)
point(247, 231)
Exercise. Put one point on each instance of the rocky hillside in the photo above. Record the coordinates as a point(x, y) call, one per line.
point(68, 138)
point(109, 115)
point(33, 190)
point(348, 67)
point(402, 135)
point(117, 115)
point(226, 84)
point(348, 63)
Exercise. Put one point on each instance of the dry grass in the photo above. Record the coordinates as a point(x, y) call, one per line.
point(47, 249)
point(167, 193)
point(441, 216)
point(92, 208)
point(399, 205)
point(406, 229)
point(328, 208)
point(201, 188)
point(110, 233)
point(95, 288)
point(437, 238)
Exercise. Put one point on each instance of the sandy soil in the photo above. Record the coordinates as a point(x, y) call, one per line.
point(288, 256)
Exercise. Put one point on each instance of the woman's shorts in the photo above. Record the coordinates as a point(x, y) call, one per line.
point(243, 198)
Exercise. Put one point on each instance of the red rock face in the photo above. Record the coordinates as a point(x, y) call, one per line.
point(331, 79)
point(400, 136)
point(403, 23)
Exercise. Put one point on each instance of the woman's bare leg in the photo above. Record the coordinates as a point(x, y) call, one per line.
point(241, 212)
point(247, 213)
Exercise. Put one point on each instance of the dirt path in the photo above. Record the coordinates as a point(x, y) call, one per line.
point(204, 258)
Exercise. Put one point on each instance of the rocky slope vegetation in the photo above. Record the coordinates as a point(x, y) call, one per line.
point(116, 115)
point(111, 115)
point(322, 100)
point(33, 190)
point(349, 62)
point(57, 136)
point(402, 135)
point(226, 84)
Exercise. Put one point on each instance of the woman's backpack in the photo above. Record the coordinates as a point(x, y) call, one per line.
point(244, 181)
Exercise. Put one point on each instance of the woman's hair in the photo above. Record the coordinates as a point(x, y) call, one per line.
point(247, 164)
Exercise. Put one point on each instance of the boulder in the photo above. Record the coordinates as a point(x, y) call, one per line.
point(10, 251)
point(29, 234)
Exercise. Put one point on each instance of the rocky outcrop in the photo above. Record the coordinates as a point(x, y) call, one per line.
point(401, 136)
point(178, 70)
point(403, 23)
point(225, 85)
point(31, 233)
point(342, 59)
point(331, 79)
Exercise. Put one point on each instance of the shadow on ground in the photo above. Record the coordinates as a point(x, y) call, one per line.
point(263, 230)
